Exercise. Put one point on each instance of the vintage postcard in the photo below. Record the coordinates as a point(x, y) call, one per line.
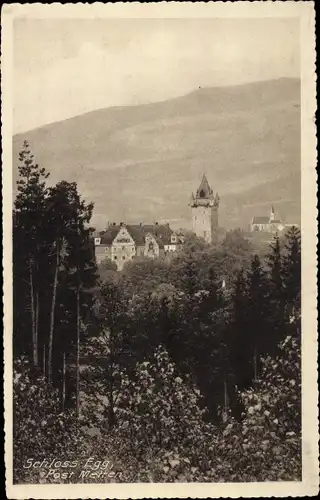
point(160, 231)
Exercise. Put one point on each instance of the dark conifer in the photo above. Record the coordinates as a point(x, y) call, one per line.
point(291, 265)
point(275, 295)
point(29, 233)
point(258, 312)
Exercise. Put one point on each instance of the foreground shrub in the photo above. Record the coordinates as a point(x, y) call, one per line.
point(162, 434)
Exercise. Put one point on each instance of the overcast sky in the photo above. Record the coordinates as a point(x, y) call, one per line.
point(64, 68)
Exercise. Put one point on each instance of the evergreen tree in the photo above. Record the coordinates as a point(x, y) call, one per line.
point(258, 312)
point(54, 269)
point(73, 275)
point(28, 240)
point(291, 265)
point(214, 298)
point(239, 332)
point(275, 265)
point(275, 294)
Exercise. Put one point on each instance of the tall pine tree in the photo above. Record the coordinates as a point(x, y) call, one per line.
point(258, 311)
point(239, 334)
point(291, 265)
point(28, 241)
point(275, 295)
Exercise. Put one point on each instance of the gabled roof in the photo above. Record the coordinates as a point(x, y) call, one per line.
point(136, 233)
point(204, 190)
point(276, 221)
point(261, 220)
point(109, 234)
point(161, 232)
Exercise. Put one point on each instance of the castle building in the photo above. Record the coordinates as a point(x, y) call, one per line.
point(125, 242)
point(267, 223)
point(204, 205)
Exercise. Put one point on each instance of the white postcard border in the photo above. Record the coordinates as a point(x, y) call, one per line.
point(303, 10)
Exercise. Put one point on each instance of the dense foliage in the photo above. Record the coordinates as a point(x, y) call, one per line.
point(181, 369)
point(54, 268)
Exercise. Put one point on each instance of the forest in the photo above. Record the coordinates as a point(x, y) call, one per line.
point(185, 369)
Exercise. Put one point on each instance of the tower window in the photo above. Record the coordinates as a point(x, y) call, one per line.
point(202, 194)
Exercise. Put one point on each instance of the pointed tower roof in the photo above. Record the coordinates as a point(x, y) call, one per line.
point(204, 190)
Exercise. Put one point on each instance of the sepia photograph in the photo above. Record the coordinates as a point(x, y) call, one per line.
point(157, 243)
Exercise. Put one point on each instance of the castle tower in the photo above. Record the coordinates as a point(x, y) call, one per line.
point(204, 206)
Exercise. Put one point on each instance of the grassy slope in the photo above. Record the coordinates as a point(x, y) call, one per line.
point(141, 163)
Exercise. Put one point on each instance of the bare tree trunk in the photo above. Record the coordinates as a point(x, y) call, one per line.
point(111, 414)
point(33, 316)
point(44, 360)
point(37, 325)
point(78, 345)
point(111, 388)
point(36, 332)
point(255, 363)
point(225, 401)
point(53, 308)
point(64, 369)
point(225, 397)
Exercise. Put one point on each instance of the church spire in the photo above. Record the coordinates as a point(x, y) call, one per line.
point(272, 214)
point(204, 190)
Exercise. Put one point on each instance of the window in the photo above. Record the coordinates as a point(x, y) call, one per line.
point(123, 240)
point(115, 257)
point(123, 257)
point(123, 248)
point(202, 194)
point(132, 249)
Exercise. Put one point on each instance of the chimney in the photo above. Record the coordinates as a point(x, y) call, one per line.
point(121, 224)
point(157, 223)
point(140, 224)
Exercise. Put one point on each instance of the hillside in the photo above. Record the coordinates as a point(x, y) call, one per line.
point(141, 163)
